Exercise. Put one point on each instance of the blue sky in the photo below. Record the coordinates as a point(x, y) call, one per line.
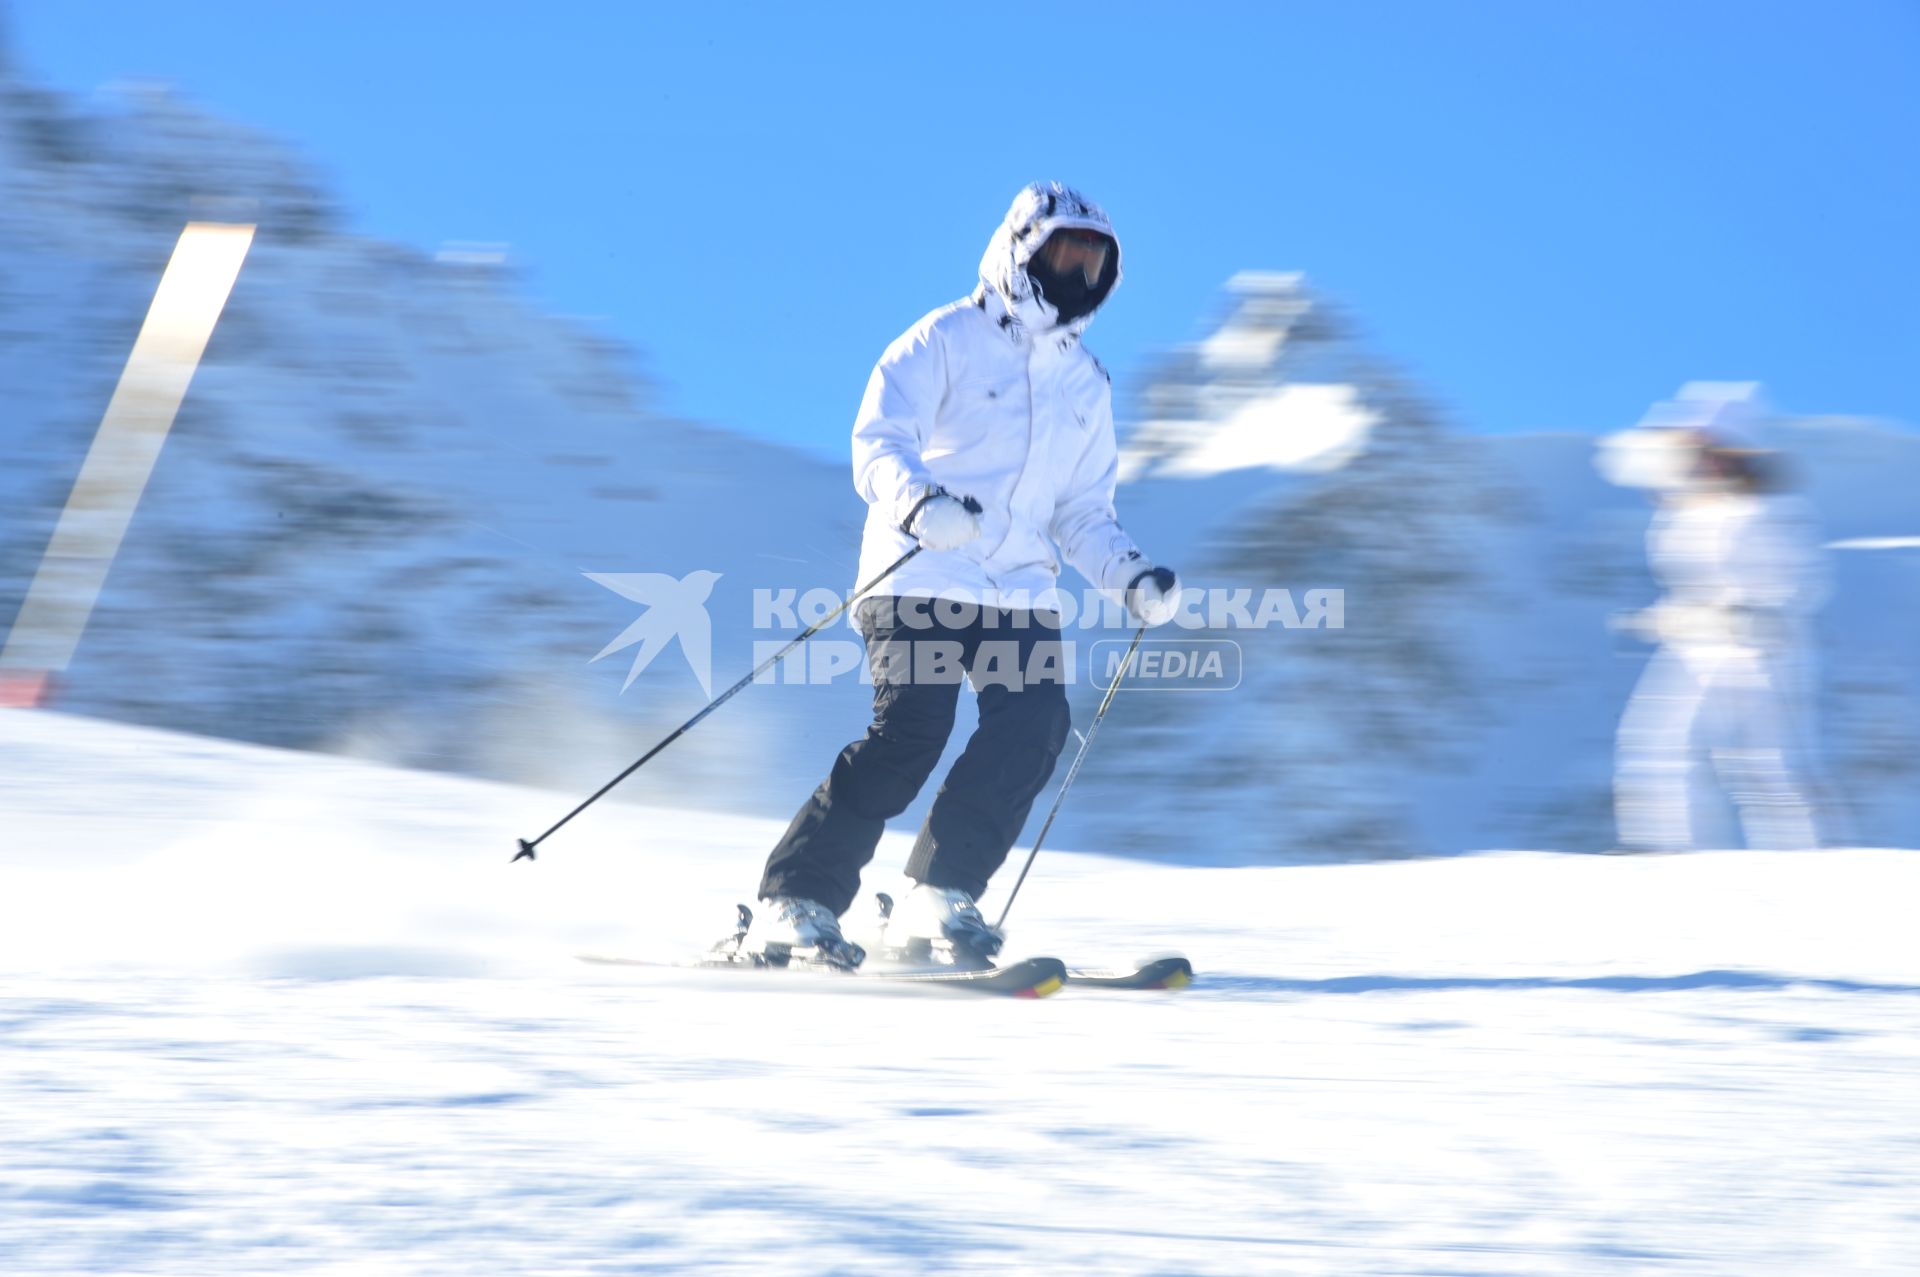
point(1551, 214)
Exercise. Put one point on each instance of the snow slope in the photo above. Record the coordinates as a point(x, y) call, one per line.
point(271, 1011)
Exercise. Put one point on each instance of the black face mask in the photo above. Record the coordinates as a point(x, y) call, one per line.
point(1069, 293)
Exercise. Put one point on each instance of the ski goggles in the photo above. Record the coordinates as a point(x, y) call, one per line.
point(1075, 249)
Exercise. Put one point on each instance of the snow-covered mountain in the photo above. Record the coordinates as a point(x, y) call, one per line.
point(1279, 453)
point(1471, 699)
point(370, 530)
point(369, 526)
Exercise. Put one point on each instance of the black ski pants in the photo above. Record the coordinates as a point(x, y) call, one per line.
point(918, 650)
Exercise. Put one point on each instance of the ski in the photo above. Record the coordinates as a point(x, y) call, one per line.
point(1170, 971)
point(1027, 978)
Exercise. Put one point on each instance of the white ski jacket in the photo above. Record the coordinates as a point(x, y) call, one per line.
point(1743, 577)
point(989, 398)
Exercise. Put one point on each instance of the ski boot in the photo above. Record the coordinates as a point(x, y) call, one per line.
point(789, 932)
point(939, 927)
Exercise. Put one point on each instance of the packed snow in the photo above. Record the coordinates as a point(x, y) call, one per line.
point(272, 1012)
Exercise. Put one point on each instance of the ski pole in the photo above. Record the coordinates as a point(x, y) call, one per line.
point(526, 847)
point(1086, 743)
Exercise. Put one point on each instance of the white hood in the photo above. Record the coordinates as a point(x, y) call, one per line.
point(1038, 211)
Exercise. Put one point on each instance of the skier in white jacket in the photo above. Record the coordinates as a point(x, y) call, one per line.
point(1728, 695)
point(986, 438)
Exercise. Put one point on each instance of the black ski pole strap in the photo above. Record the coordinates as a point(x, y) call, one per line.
point(1086, 743)
point(526, 851)
point(1162, 577)
point(906, 524)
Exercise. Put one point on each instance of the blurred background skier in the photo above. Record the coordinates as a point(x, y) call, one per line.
point(1728, 695)
point(986, 437)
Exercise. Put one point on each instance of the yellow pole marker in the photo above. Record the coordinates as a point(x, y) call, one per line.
point(193, 291)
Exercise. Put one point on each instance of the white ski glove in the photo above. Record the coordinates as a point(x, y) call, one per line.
point(945, 522)
point(1154, 596)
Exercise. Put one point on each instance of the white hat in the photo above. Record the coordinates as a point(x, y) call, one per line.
point(1729, 413)
point(1661, 451)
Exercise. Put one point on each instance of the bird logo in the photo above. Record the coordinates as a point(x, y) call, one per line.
point(675, 608)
